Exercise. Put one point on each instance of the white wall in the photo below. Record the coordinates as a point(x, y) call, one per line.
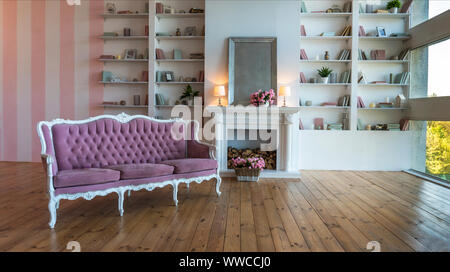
point(349, 150)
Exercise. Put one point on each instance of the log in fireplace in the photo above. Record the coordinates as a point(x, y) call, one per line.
point(270, 157)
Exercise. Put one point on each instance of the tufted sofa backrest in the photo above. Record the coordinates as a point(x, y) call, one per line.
point(109, 142)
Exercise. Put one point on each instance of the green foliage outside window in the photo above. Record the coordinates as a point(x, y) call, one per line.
point(438, 149)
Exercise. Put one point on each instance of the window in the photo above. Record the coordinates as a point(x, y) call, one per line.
point(429, 70)
point(438, 149)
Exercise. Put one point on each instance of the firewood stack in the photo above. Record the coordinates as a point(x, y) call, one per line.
point(270, 157)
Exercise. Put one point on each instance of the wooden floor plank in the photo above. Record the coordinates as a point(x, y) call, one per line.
point(322, 211)
point(248, 232)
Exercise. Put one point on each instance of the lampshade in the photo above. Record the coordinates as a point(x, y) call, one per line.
point(284, 91)
point(219, 90)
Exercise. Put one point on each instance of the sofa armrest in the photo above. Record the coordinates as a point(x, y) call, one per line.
point(197, 149)
point(47, 163)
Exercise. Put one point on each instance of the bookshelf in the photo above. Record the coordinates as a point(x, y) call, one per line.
point(183, 68)
point(161, 34)
point(128, 70)
point(315, 22)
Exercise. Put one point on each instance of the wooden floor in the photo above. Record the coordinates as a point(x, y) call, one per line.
point(324, 211)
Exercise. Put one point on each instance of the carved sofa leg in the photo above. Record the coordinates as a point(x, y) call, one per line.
point(121, 197)
point(52, 206)
point(175, 193)
point(218, 182)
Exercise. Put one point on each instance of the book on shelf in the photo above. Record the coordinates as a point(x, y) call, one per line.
point(403, 54)
point(201, 76)
point(329, 104)
point(345, 77)
point(159, 53)
point(361, 103)
point(362, 55)
point(318, 123)
point(344, 101)
point(107, 57)
point(361, 31)
point(381, 11)
point(359, 125)
point(402, 78)
point(404, 124)
point(378, 82)
point(300, 124)
point(159, 99)
point(334, 126)
point(345, 54)
point(302, 78)
point(347, 31)
point(333, 78)
point(347, 7)
point(177, 54)
point(385, 105)
point(303, 8)
point(379, 54)
point(362, 78)
point(302, 30)
point(159, 8)
point(303, 55)
point(328, 34)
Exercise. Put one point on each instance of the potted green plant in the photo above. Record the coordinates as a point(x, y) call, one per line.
point(188, 95)
point(324, 73)
point(393, 6)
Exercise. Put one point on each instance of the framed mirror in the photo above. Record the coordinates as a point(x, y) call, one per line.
point(252, 65)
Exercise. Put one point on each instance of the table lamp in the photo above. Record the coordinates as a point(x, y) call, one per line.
point(284, 91)
point(219, 91)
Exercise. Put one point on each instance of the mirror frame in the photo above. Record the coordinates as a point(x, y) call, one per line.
point(231, 61)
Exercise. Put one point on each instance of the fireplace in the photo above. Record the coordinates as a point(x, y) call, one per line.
point(245, 135)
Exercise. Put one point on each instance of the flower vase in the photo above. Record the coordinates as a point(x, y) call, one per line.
point(393, 10)
point(265, 105)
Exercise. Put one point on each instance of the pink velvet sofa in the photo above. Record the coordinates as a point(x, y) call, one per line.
point(118, 154)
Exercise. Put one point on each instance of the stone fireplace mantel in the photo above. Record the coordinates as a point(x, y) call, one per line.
point(284, 120)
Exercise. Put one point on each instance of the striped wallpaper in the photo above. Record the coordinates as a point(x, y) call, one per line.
point(47, 69)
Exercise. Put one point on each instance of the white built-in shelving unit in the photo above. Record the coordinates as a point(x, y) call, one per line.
point(375, 70)
point(132, 69)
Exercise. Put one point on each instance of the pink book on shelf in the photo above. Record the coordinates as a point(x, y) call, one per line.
point(302, 30)
point(329, 104)
point(361, 31)
point(303, 55)
point(300, 124)
point(318, 123)
point(381, 54)
point(159, 8)
point(302, 77)
point(404, 124)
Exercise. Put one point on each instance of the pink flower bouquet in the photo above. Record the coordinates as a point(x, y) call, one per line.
point(262, 97)
point(250, 163)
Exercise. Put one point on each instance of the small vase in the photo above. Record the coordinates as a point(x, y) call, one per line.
point(265, 105)
point(324, 80)
point(190, 102)
point(393, 10)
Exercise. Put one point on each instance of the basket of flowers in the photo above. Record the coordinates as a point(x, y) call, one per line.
point(248, 169)
point(262, 98)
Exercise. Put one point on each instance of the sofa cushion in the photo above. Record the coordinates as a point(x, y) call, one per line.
point(88, 176)
point(142, 170)
point(191, 165)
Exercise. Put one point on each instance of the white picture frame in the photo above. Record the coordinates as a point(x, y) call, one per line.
point(381, 31)
point(130, 54)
